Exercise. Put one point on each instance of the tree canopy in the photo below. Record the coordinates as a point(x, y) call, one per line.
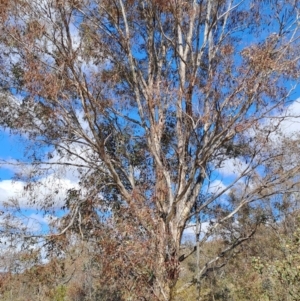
point(166, 113)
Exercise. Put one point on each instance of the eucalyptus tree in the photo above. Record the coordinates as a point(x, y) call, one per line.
point(167, 112)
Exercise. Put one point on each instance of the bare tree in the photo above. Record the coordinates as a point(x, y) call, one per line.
point(149, 101)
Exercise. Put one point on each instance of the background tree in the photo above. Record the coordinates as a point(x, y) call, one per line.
point(148, 101)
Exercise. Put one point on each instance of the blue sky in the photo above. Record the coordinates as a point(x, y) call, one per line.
point(12, 148)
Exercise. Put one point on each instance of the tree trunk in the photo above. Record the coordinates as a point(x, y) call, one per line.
point(167, 266)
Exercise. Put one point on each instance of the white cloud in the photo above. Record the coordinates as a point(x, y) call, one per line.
point(291, 124)
point(216, 187)
point(191, 228)
point(11, 189)
point(36, 221)
point(49, 190)
point(189, 233)
point(282, 125)
point(11, 164)
point(232, 166)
